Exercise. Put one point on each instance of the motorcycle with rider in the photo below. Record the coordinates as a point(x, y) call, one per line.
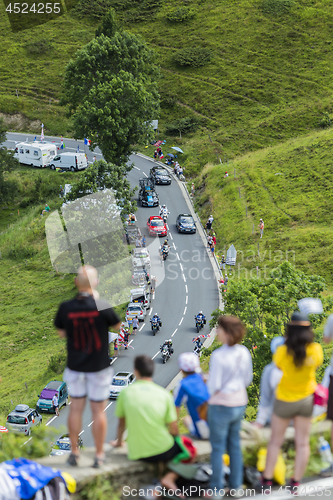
point(200, 321)
point(166, 350)
point(156, 323)
point(164, 250)
point(164, 213)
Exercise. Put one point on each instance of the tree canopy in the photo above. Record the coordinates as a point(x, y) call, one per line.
point(111, 91)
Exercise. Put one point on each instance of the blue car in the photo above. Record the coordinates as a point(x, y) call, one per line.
point(185, 224)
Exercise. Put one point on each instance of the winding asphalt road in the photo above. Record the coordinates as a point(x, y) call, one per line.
point(189, 285)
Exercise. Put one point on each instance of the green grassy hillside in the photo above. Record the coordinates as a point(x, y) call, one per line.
point(290, 187)
point(266, 74)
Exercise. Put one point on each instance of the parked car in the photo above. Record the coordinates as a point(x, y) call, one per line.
point(69, 161)
point(63, 445)
point(23, 419)
point(140, 258)
point(160, 175)
point(44, 402)
point(140, 277)
point(142, 296)
point(185, 224)
point(119, 382)
point(132, 233)
point(156, 226)
point(135, 309)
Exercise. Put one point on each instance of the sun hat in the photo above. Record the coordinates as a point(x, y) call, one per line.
point(276, 342)
point(299, 319)
point(188, 362)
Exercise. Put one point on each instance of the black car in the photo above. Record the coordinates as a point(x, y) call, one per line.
point(185, 224)
point(148, 197)
point(160, 175)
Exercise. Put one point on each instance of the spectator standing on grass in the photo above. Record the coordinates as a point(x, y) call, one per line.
point(226, 279)
point(84, 322)
point(155, 155)
point(222, 263)
point(298, 359)
point(193, 392)
point(261, 228)
point(230, 373)
point(209, 241)
point(192, 189)
point(270, 379)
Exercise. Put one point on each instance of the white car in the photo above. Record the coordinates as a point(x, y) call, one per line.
point(119, 382)
point(140, 258)
point(135, 309)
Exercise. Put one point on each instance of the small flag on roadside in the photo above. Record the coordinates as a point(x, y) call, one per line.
point(87, 142)
point(78, 149)
point(42, 134)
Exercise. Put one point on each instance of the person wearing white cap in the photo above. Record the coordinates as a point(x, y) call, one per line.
point(261, 228)
point(270, 378)
point(192, 391)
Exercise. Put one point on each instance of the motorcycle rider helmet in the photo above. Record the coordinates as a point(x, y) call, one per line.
point(165, 242)
point(163, 206)
point(200, 312)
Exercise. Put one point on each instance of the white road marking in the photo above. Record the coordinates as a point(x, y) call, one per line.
point(186, 289)
point(174, 246)
point(114, 359)
point(81, 433)
point(167, 227)
point(90, 423)
point(171, 236)
point(185, 311)
point(142, 327)
point(186, 298)
point(107, 407)
point(48, 423)
point(180, 322)
point(181, 267)
point(174, 332)
point(153, 295)
point(130, 342)
point(184, 278)
point(144, 173)
point(177, 256)
point(151, 310)
point(25, 442)
point(136, 168)
point(155, 355)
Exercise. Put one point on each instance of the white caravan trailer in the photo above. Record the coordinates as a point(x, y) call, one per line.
point(36, 154)
point(70, 161)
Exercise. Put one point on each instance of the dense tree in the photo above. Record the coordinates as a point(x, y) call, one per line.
point(111, 90)
point(265, 306)
point(7, 163)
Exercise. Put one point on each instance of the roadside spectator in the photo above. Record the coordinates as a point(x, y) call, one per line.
point(84, 322)
point(229, 375)
point(155, 155)
point(209, 223)
point(55, 404)
point(222, 263)
point(153, 284)
point(148, 413)
point(193, 392)
point(298, 359)
point(143, 241)
point(209, 241)
point(226, 175)
point(115, 349)
point(214, 239)
point(135, 325)
point(210, 219)
point(138, 242)
point(94, 159)
point(270, 379)
point(46, 210)
point(192, 189)
point(212, 248)
point(226, 279)
point(261, 228)
point(328, 336)
point(61, 192)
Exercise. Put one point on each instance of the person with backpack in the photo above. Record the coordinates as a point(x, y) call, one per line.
point(298, 359)
point(230, 373)
point(223, 263)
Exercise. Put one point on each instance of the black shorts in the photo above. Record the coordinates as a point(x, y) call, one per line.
point(164, 457)
point(330, 400)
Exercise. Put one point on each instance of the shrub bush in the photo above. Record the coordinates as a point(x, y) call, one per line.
point(39, 47)
point(95, 9)
point(57, 362)
point(180, 15)
point(184, 125)
point(277, 7)
point(326, 121)
point(168, 102)
point(21, 251)
point(192, 56)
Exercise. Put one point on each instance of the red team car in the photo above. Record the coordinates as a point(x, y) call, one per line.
point(156, 226)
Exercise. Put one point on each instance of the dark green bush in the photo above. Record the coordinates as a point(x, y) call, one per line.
point(20, 252)
point(180, 15)
point(277, 7)
point(168, 102)
point(184, 125)
point(192, 56)
point(326, 121)
point(39, 47)
point(57, 362)
point(95, 9)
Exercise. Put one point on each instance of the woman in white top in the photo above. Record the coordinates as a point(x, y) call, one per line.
point(229, 375)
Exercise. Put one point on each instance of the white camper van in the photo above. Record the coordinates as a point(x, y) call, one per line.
point(36, 154)
point(70, 161)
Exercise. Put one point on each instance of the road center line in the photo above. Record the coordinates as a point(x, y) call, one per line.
point(107, 407)
point(90, 423)
point(184, 278)
point(186, 288)
point(144, 173)
point(174, 246)
point(25, 442)
point(114, 359)
point(177, 256)
point(130, 342)
point(174, 332)
point(136, 168)
point(155, 355)
point(48, 423)
point(81, 433)
point(141, 327)
point(151, 310)
point(180, 322)
point(185, 310)
point(171, 236)
point(181, 267)
point(186, 299)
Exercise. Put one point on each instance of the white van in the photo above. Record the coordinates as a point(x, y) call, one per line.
point(36, 154)
point(70, 161)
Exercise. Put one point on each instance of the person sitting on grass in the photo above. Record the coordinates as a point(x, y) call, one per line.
point(192, 391)
point(46, 209)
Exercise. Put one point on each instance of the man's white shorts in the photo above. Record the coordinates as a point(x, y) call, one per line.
point(95, 385)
